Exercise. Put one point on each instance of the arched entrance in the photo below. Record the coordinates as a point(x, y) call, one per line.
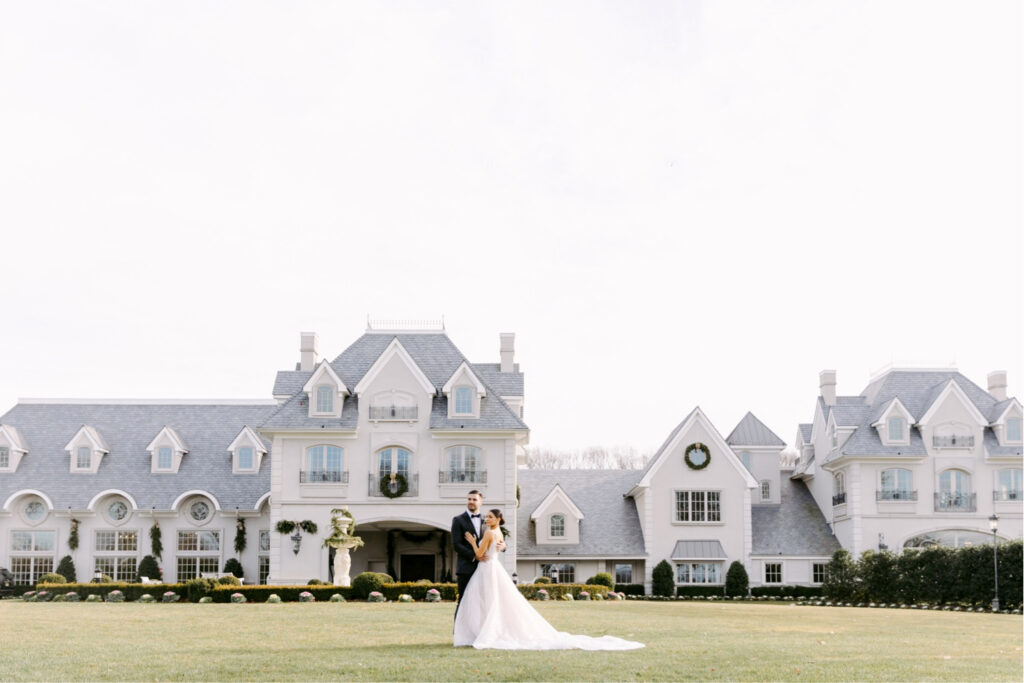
point(408, 551)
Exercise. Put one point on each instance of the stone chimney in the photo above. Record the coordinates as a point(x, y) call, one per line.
point(997, 384)
point(508, 352)
point(827, 383)
point(307, 350)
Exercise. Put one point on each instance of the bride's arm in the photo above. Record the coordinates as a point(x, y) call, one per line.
point(485, 543)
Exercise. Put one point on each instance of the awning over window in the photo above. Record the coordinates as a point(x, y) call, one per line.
point(698, 550)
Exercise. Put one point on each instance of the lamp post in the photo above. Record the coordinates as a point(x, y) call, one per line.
point(993, 524)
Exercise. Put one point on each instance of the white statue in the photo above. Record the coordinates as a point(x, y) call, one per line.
point(342, 539)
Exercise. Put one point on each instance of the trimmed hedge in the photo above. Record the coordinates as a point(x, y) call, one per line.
point(786, 591)
point(131, 591)
point(694, 591)
point(557, 590)
point(390, 591)
point(630, 588)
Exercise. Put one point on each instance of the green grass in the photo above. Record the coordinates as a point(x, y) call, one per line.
point(358, 641)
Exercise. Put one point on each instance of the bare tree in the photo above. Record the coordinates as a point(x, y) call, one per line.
point(590, 458)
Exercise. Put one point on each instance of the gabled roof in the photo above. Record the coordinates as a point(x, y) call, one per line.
point(324, 368)
point(805, 431)
point(464, 370)
point(128, 429)
point(14, 437)
point(247, 433)
point(752, 432)
point(999, 410)
point(503, 383)
point(795, 526)
point(612, 526)
point(93, 437)
point(950, 388)
point(893, 404)
point(557, 493)
point(173, 436)
point(394, 350)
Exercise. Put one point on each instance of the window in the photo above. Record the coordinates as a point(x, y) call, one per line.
point(463, 401)
point(954, 491)
point(35, 511)
point(324, 464)
point(393, 460)
point(264, 557)
point(896, 485)
point(117, 510)
point(557, 526)
point(745, 459)
point(839, 489)
point(623, 573)
point(463, 465)
point(1013, 429)
point(818, 572)
point(198, 553)
point(773, 572)
point(325, 399)
point(199, 511)
point(698, 506)
point(245, 460)
point(835, 438)
point(120, 566)
point(83, 461)
point(766, 489)
point(1009, 486)
point(5, 457)
point(31, 555)
point(163, 458)
point(896, 428)
point(560, 573)
point(699, 572)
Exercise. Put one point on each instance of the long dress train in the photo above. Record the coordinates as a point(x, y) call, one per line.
point(494, 614)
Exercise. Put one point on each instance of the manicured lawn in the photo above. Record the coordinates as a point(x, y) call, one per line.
point(357, 641)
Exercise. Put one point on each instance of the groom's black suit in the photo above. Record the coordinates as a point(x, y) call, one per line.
point(466, 561)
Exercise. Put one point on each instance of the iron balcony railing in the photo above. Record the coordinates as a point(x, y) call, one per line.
point(318, 477)
point(955, 441)
point(413, 480)
point(462, 477)
point(839, 498)
point(1006, 494)
point(947, 501)
point(394, 412)
point(896, 494)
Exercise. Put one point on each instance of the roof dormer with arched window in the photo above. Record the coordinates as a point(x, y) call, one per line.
point(325, 392)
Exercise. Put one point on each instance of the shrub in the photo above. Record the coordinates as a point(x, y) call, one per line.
point(841, 579)
point(205, 599)
point(66, 568)
point(274, 599)
point(147, 598)
point(597, 596)
point(404, 597)
point(58, 597)
point(236, 598)
point(601, 579)
point(93, 597)
point(433, 595)
point(542, 594)
point(375, 596)
point(366, 583)
point(229, 580)
point(542, 579)
point(115, 596)
point(699, 591)
point(337, 597)
point(71, 596)
point(198, 588)
point(314, 582)
point(736, 580)
point(170, 596)
point(104, 578)
point(876, 574)
point(52, 577)
point(567, 597)
point(234, 566)
point(305, 596)
point(629, 588)
point(43, 596)
point(148, 568)
point(663, 581)
point(584, 595)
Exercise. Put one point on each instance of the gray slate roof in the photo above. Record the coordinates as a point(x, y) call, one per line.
point(127, 430)
point(672, 435)
point(434, 354)
point(698, 550)
point(795, 526)
point(505, 383)
point(752, 432)
point(805, 432)
point(610, 528)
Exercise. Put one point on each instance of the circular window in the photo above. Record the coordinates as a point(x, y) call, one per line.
point(35, 511)
point(117, 510)
point(199, 511)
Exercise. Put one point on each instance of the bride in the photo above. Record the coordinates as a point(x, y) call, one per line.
point(494, 614)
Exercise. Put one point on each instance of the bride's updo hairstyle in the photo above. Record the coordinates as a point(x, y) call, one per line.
point(497, 513)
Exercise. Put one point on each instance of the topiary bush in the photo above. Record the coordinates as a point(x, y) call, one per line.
point(170, 596)
point(71, 596)
point(314, 582)
point(198, 588)
point(238, 598)
point(66, 568)
point(229, 580)
point(737, 583)
point(115, 596)
point(234, 567)
point(147, 598)
point(601, 579)
point(336, 597)
point(366, 583)
point(663, 581)
point(148, 568)
point(542, 579)
point(51, 578)
point(304, 596)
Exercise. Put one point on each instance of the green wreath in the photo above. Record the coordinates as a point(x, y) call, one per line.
point(403, 485)
point(697, 447)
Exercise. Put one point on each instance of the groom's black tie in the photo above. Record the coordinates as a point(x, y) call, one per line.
point(477, 516)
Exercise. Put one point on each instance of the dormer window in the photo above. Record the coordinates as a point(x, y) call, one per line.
point(84, 458)
point(1013, 429)
point(895, 428)
point(5, 457)
point(247, 451)
point(463, 401)
point(12, 448)
point(245, 458)
point(557, 526)
point(465, 391)
point(86, 449)
point(164, 458)
point(324, 399)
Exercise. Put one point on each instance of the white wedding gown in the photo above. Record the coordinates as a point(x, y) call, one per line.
point(494, 614)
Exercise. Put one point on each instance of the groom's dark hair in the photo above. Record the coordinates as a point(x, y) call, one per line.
point(475, 492)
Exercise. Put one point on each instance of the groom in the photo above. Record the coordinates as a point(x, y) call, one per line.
point(472, 521)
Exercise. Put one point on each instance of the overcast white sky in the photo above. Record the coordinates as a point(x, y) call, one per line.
point(671, 203)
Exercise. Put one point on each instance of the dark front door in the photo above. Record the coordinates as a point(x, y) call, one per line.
point(416, 567)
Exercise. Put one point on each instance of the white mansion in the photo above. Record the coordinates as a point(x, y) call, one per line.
point(400, 426)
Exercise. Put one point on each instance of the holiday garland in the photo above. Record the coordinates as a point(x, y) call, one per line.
point(239, 536)
point(155, 542)
point(286, 526)
point(398, 478)
point(73, 537)
point(697, 447)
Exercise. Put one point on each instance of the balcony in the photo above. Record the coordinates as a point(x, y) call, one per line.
point(1006, 496)
point(462, 477)
point(839, 499)
point(394, 412)
point(895, 494)
point(374, 491)
point(955, 441)
point(956, 502)
point(319, 477)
